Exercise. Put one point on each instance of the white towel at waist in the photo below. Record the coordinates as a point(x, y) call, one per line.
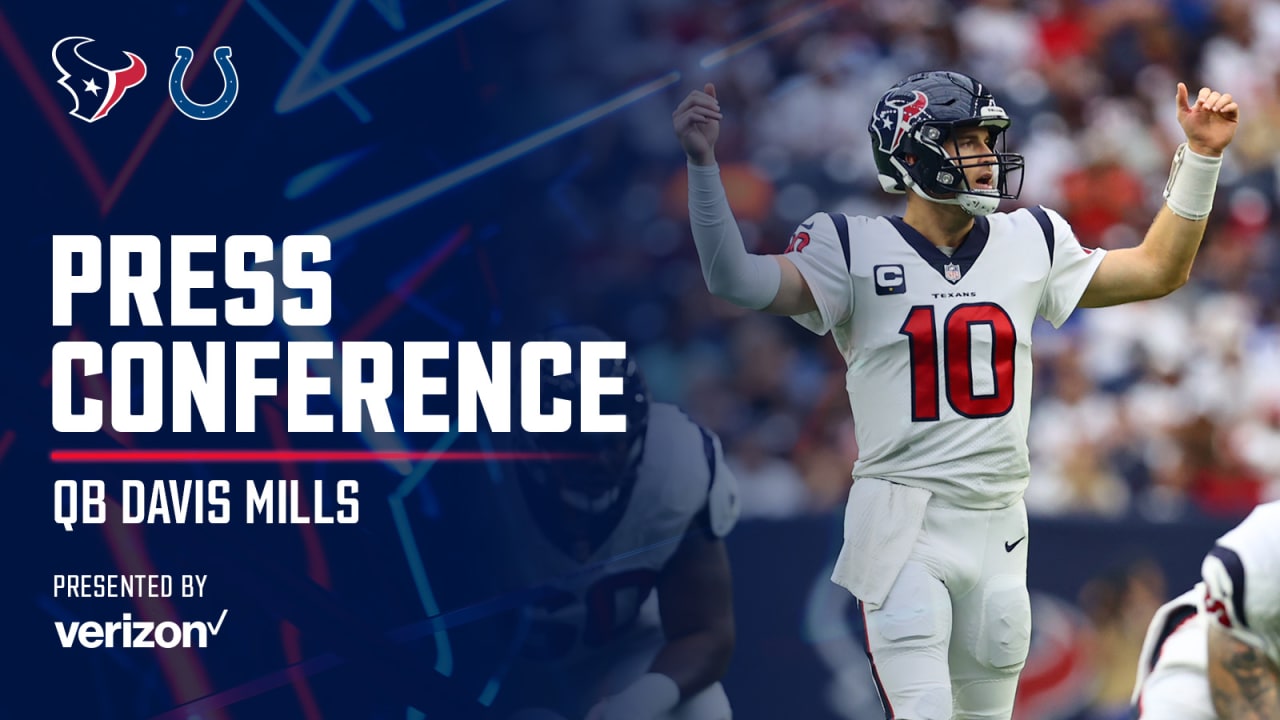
point(882, 522)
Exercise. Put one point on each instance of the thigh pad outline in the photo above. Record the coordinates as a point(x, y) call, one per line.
point(1005, 634)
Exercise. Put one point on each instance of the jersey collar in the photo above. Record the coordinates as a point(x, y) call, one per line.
point(964, 256)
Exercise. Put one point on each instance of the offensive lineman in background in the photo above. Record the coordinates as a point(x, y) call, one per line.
point(1214, 651)
point(933, 313)
point(635, 621)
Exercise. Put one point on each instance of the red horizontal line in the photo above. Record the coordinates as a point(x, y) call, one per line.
point(337, 456)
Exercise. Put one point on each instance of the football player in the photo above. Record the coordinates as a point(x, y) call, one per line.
point(633, 618)
point(1214, 651)
point(933, 313)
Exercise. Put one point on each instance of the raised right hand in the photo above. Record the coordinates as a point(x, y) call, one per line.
point(697, 124)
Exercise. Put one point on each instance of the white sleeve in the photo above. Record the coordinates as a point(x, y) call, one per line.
point(730, 272)
point(1071, 267)
point(821, 255)
point(1225, 594)
point(1242, 578)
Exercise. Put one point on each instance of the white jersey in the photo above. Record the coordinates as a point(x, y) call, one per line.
point(939, 347)
point(1241, 578)
point(597, 621)
point(1239, 591)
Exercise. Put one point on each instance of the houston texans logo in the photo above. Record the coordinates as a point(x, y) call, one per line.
point(95, 89)
point(898, 116)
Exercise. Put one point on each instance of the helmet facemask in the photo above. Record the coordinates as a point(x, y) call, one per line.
point(935, 167)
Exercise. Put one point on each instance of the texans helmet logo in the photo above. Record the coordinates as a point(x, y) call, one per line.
point(95, 89)
point(898, 115)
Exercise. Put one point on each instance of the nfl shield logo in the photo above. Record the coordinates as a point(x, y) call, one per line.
point(951, 272)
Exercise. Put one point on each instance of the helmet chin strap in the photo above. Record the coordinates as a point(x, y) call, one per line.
point(976, 205)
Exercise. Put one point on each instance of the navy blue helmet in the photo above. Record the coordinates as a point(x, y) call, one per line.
point(912, 127)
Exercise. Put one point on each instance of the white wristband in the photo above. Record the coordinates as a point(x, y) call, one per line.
point(1192, 181)
point(651, 695)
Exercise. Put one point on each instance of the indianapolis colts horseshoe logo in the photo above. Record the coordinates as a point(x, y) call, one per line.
point(195, 110)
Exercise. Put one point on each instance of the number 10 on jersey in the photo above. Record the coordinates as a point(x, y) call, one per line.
point(958, 358)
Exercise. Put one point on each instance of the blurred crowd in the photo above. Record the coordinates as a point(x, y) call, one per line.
point(1166, 410)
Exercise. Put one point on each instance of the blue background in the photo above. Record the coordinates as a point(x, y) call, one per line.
point(538, 143)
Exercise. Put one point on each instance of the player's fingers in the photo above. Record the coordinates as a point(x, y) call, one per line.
point(694, 102)
point(686, 103)
point(705, 100)
point(709, 89)
point(1231, 111)
point(1223, 100)
point(689, 120)
point(1183, 106)
point(1213, 98)
point(705, 105)
point(703, 112)
point(698, 97)
point(1204, 93)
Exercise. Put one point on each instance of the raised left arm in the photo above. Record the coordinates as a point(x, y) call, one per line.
point(1162, 263)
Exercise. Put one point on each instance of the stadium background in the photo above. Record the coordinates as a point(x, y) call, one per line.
point(549, 187)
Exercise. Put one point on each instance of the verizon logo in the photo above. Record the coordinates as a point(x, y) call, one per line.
point(138, 633)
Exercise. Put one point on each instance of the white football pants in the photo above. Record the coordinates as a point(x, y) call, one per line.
point(954, 631)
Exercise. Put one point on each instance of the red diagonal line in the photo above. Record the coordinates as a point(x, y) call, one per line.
point(463, 52)
point(291, 638)
point(166, 108)
point(6, 442)
point(182, 668)
point(486, 271)
point(317, 568)
point(98, 387)
point(52, 111)
point(391, 303)
point(280, 439)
